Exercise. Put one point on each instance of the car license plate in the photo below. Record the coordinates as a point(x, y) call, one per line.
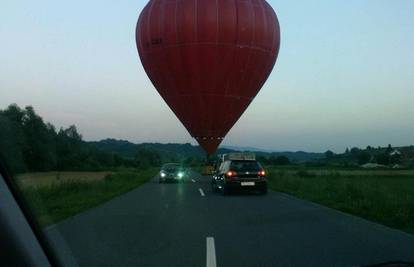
point(247, 183)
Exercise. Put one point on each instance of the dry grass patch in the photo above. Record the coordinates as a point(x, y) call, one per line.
point(42, 179)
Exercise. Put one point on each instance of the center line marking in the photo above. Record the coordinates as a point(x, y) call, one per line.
point(201, 192)
point(211, 253)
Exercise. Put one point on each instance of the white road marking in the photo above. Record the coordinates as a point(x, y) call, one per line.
point(193, 180)
point(201, 192)
point(211, 252)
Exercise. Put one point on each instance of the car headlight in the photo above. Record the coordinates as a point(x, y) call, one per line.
point(180, 175)
point(162, 174)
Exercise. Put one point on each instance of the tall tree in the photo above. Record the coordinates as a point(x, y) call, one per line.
point(11, 145)
point(39, 146)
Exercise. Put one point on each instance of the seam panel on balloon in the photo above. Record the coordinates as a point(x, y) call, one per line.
point(258, 48)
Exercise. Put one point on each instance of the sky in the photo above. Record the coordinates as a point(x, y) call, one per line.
point(344, 76)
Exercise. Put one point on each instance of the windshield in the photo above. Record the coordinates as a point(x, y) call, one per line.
point(211, 132)
point(171, 167)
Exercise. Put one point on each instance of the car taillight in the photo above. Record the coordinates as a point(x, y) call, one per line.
point(262, 173)
point(231, 174)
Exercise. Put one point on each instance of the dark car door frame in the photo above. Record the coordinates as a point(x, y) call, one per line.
point(21, 240)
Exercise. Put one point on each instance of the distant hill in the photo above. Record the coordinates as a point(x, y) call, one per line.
point(175, 152)
point(129, 150)
point(246, 148)
point(293, 156)
point(296, 156)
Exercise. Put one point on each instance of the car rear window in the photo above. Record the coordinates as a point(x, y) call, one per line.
point(245, 166)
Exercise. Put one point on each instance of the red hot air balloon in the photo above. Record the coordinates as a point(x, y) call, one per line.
point(208, 59)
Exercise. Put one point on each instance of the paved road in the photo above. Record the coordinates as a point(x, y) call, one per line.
point(168, 225)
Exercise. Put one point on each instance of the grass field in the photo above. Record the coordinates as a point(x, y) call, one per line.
point(53, 199)
point(384, 196)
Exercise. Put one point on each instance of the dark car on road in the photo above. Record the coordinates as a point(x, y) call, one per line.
point(236, 175)
point(172, 173)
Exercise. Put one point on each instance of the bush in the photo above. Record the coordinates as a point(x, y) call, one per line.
point(383, 158)
point(363, 157)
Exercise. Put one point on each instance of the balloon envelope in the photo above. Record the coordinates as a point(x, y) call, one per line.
point(208, 59)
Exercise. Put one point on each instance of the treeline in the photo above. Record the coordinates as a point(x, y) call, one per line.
point(27, 143)
point(387, 156)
